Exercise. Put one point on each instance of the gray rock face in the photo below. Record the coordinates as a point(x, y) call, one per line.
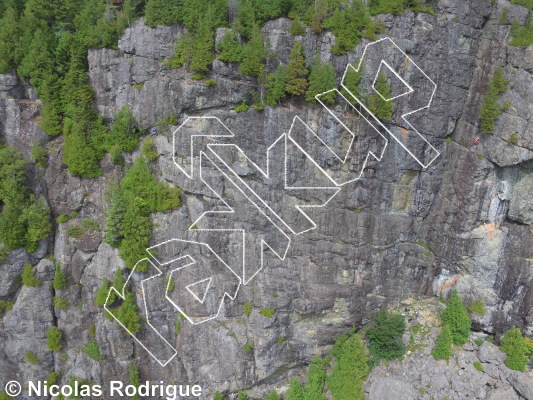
point(399, 231)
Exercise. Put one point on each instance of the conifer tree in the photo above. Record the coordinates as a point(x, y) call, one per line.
point(54, 339)
point(128, 314)
point(123, 133)
point(115, 216)
point(60, 280)
point(230, 47)
point(377, 104)
point(456, 317)
point(246, 18)
point(296, 391)
point(253, 55)
point(102, 293)
point(162, 12)
point(321, 79)
point(320, 12)
point(10, 47)
point(443, 346)
point(296, 71)
point(275, 86)
point(385, 336)
point(202, 54)
point(352, 81)
point(516, 348)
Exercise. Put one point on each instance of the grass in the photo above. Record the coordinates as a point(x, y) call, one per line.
point(62, 219)
point(75, 232)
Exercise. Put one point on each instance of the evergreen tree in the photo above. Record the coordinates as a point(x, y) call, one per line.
point(136, 231)
point(128, 314)
point(51, 114)
point(273, 395)
point(321, 79)
point(115, 216)
point(253, 55)
point(456, 316)
point(36, 216)
point(490, 110)
point(28, 277)
point(202, 55)
point(124, 133)
point(54, 339)
point(316, 377)
point(297, 28)
point(230, 48)
point(102, 293)
point(162, 12)
point(60, 280)
point(10, 47)
point(296, 391)
point(385, 336)
point(352, 81)
point(377, 104)
point(516, 348)
point(443, 346)
point(296, 71)
point(319, 13)
point(246, 18)
point(275, 86)
point(351, 369)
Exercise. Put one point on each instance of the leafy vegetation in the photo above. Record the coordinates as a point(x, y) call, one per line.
point(247, 308)
point(515, 346)
point(54, 339)
point(456, 317)
point(102, 292)
point(443, 347)
point(384, 334)
point(490, 110)
point(478, 366)
point(24, 219)
point(60, 280)
point(248, 347)
point(296, 71)
point(28, 277)
point(377, 104)
point(31, 357)
point(350, 370)
point(267, 312)
point(230, 47)
point(60, 302)
point(93, 350)
point(5, 305)
point(321, 79)
point(38, 153)
point(522, 36)
point(478, 307)
point(134, 378)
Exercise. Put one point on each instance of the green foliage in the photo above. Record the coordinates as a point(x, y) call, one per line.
point(321, 79)
point(478, 341)
point(10, 48)
point(384, 334)
point(123, 135)
point(162, 12)
point(61, 219)
point(456, 317)
point(253, 54)
point(60, 280)
point(352, 81)
point(170, 284)
point(351, 369)
point(478, 366)
point(24, 220)
point(443, 347)
point(281, 339)
point(54, 339)
point(5, 305)
point(134, 378)
point(273, 395)
point(28, 277)
point(128, 314)
point(525, 3)
point(503, 16)
point(297, 28)
point(516, 348)
point(38, 153)
point(148, 149)
point(267, 312)
point(296, 391)
point(247, 308)
point(242, 107)
point(522, 35)
point(246, 18)
point(218, 396)
point(478, 307)
point(177, 327)
point(75, 231)
point(490, 110)
point(32, 357)
point(230, 47)
point(102, 293)
point(210, 82)
point(377, 104)
point(53, 378)
point(93, 350)
point(397, 7)
point(348, 23)
point(60, 302)
point(248, 347)
point(296, 71)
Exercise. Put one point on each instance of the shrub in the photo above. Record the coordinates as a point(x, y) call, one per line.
point(384, 334)
point(275, 86)
point(478, 307)
point(297, 28)
point(478, 366)
point(103, 292)
point(503, 16)
point(281, 339)
point(516, 348)
point(60, 280)
point(478, 341)
point(93, 350)
point(296, 71)
point(267, 312)
point(248, 347)
point(177, 328)
point(247, 308)
point(522, 36)
point(169, 283)
point(148, 149)
point(243, 107)
point(32, 357)
point(60, 302)
point(53, 379)
point(134, 378)
point(273, 395)
point(5, 305)
point(513, 140)
point(211, 82)
point(128, 314)
point(321, 79)
point(90, 225)
point(378, 105)
point(54, 339)
point(230, 47)
point(218, 396)
point(443, 347)
point(28, 277)
point(456, 317)
point(75, 231)
point(351, 369)
point(38, 153)
point(490, 110)
point(61, 219)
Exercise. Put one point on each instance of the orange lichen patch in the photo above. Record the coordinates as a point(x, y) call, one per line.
point(448, 284)
point(404, 132)
point(491, 230)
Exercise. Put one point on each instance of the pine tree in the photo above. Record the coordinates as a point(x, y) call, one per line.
point(253, 55)
point(352, 81)
point(316, 377)
point(377, 104)
point(246, 18)
point(54, 339)
point(202, 54)
point(102, 293)
point(51, 115)
point(10, 48)
point(124, 133)
point(296, 391)
point(443, 346)
point(351, 369)
point(297, 28)
point(456, 316)
point(162, 12)
point(128, 314)
point(230, 48)
point(275, 86)
point(60, 280)
point(115, 216)
point(320, 12)
point(36, 217)
point(296, 71)
point(516, 348)
point(321, 79)
point(385, 336)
